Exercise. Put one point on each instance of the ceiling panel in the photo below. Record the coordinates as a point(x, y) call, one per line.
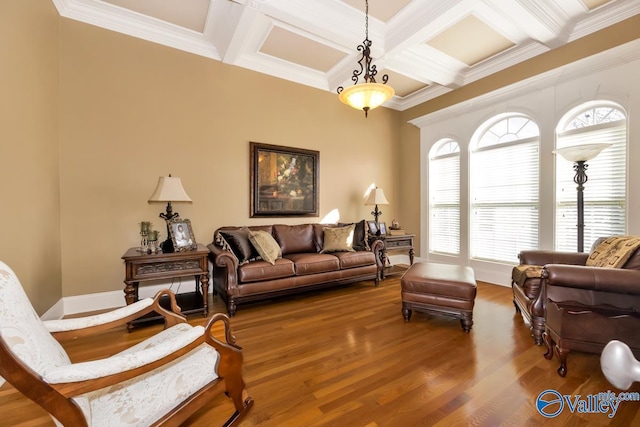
point(427, 47)
point(470, 41)
point(189, 14)
point(295, 48)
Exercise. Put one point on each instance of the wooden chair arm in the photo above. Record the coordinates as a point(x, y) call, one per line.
point(66, 329)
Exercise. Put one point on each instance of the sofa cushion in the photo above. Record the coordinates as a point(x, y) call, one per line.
point(266, 246)
point(238, 241)
point(312, 263)
point(294, 239)
point(338, 239)
point(258, 271)
point(355, 259)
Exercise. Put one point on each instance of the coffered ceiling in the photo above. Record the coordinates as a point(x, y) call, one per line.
point(427, 47)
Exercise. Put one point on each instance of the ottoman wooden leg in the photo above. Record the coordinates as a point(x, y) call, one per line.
point(466, 322)
point(406, 313)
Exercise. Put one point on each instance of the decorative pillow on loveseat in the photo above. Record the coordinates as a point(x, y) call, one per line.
point(360, 242)
point(238, 242)
point(265, 245)
point(338, 239)
point(614, 251)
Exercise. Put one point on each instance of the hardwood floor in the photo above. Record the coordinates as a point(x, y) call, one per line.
point(345, 357)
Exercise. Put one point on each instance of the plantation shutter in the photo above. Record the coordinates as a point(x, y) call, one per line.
point(444, 204)
point(604, 192)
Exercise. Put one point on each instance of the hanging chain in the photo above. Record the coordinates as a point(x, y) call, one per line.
point(366, 19)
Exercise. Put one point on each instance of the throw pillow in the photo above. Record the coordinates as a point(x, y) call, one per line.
point(265, 245)
point(360, 242)
point(338, 239)
point(238, 241)
point(613, 252)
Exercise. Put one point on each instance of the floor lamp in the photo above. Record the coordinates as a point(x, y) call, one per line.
point(580, 154)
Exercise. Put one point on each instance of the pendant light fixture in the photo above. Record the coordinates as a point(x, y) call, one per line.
point(368, 95)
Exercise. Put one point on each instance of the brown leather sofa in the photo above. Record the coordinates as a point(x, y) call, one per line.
point(301, 267)
point(528, 298)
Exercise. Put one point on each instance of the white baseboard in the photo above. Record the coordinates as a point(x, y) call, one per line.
point(112, 299)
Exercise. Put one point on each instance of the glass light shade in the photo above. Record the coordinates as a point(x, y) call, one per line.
point(366, 95)
point(376, 197)
point(169, 189)
point(618, 365)
point(581, 153)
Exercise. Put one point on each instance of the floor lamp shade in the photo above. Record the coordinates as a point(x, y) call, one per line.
point(580, 154)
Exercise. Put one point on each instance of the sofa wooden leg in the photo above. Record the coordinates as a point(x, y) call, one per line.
point(562, 355)
point(232, 307)
point(537, 329)
point(550, 344)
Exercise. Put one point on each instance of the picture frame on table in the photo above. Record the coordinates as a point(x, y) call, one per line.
point(383, 228)
point(181, 234)
point(371, 226)
point(284, 181)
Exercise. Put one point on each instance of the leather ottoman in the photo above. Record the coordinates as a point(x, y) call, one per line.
point(439, 289)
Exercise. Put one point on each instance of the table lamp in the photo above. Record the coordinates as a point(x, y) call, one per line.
point(376, 197)
point(169, 189)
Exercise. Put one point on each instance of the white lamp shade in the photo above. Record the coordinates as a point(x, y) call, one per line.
point(169, 189)
point(376, 197)
point(581, 153)
point(366, 95)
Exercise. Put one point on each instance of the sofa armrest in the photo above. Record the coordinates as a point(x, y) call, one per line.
point(614, 280)
point(541, 257)
point(227, 264)
point(377, 247)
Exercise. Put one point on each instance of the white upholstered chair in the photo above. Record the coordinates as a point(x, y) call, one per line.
point(160, 381)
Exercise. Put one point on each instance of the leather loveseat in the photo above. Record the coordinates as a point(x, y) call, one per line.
point(566, 269)
point(306, 260)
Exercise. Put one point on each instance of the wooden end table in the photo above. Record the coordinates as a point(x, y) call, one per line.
point(402, 242)
point(140, 268)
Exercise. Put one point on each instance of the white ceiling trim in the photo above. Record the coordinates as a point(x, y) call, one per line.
point(620, 55)
point(234, 31)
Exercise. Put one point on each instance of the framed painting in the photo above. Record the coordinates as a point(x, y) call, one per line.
point(284, 181)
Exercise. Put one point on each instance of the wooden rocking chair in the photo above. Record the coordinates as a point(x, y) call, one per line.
point(160, 381)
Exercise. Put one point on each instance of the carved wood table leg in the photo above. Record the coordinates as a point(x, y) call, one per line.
point(204, 284)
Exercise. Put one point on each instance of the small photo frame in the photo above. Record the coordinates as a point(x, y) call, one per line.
point(383, 228)
point(372, 227)
point(181, 235)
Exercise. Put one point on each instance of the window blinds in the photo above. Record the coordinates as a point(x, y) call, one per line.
point(504, 200)
point(444, 204)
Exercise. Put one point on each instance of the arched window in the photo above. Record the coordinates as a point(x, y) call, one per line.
point(504, 188)
point(605, 190)
point(444, 197)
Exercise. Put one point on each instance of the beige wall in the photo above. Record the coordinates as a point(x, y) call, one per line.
point(133, 110)
point(29, 213)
